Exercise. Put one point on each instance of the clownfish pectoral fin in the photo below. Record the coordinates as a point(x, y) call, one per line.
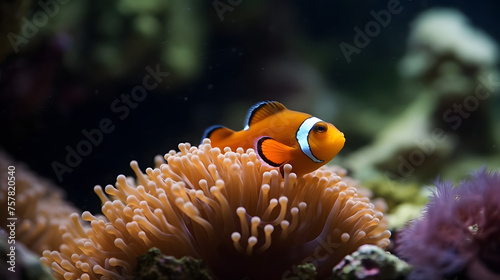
point(216, 133)
point(273, 152)
point(261, 111)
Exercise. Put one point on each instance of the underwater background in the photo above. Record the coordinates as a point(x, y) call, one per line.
point(88, 86)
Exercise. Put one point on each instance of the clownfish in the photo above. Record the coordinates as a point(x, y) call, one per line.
point(279, 136)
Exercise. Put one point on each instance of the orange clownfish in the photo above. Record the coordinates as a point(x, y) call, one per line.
point(281, 136)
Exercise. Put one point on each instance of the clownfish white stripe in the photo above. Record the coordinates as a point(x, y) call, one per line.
point(302, 137)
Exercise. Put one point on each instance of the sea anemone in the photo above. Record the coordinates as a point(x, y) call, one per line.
point(224, 207)
point(459, 233)
point(40, 207)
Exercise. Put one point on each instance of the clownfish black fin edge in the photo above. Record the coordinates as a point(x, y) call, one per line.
point(262, 110)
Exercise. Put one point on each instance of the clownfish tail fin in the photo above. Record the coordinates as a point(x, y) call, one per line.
point(217, 133)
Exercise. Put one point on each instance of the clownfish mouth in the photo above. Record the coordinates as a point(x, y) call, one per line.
point(339, 137)
point(339, 140)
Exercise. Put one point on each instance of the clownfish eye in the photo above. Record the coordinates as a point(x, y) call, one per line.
point(320, 128)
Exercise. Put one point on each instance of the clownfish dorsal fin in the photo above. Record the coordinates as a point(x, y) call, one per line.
point(261, 111)
point(273, 152)
point(217, 133)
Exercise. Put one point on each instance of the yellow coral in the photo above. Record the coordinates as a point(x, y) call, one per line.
point(226, 208)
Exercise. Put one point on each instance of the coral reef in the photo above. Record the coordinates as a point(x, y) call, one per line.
point(458, 235)
point(450, 68)
point(370, 262)
point(418, 99)
point(224, 208)
point(40, 208)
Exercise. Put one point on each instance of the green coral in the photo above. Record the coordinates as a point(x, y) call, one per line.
point(396, 192)
point(404, 199)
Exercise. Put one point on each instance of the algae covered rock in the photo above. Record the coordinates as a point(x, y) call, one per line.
point(155, 265)
point(305, 271)
point(370, 262)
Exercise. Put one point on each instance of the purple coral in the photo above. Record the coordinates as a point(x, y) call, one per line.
point(459, 233)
